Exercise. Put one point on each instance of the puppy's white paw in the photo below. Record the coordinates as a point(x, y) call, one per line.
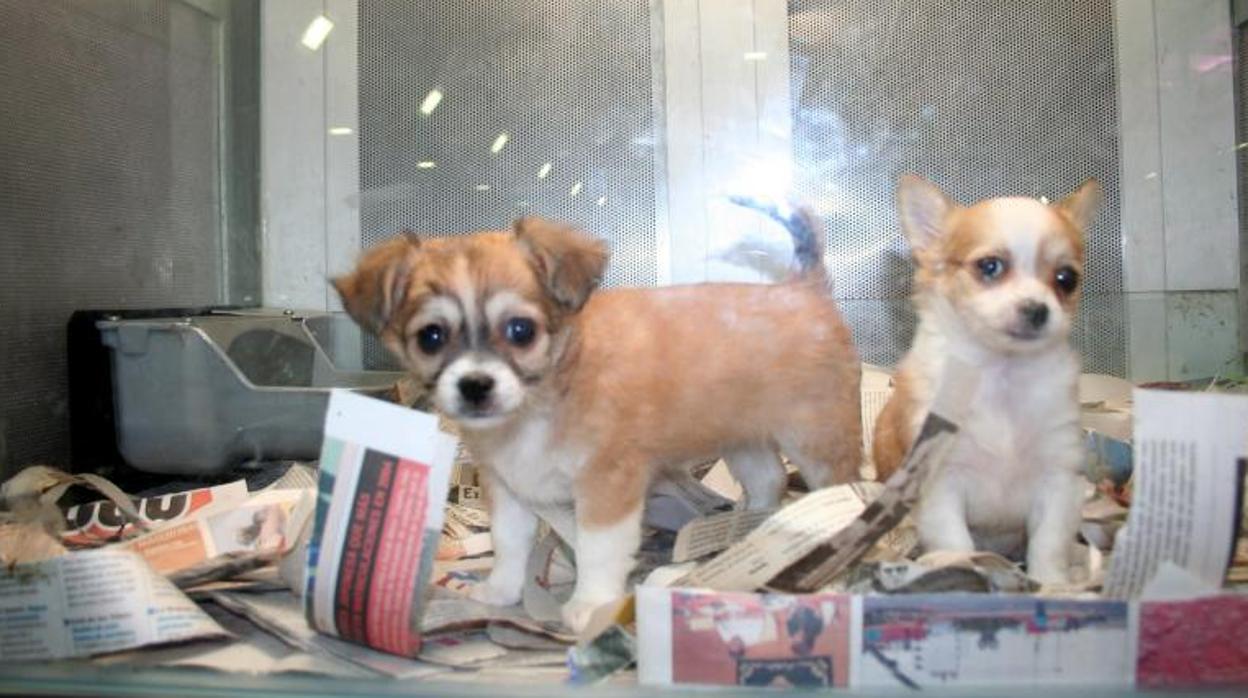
point(577, 612)
point(494, 595)
point(1049, 575)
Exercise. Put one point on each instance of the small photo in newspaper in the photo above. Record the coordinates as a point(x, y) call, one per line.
point(384, 475)
point(736, 638)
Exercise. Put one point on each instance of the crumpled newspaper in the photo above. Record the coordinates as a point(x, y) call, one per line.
point(31, 521)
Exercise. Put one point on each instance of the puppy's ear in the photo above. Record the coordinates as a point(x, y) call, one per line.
point(922, 208)
point(378, 286)
point(568, 262)
point(1080, 206)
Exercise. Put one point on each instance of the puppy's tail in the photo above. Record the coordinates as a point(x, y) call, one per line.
point(804, 226)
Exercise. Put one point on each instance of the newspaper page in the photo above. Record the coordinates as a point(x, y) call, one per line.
point(731, 638)
point(1185, 507)
point(385, 472)
point(942, 640)
point(91, 602)
point(280, 613)
point(677, 498)
point(1196, 642)
point(264, 523)
point(784, 538)
point(711, 534)
point(96, 523)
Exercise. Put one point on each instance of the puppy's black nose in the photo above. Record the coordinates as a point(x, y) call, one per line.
point(475, 387)
point(1035, 314)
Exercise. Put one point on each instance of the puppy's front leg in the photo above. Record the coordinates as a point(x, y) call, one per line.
point(941, 518)
point(1052, 524)
point(512, 530)
point(608, 534)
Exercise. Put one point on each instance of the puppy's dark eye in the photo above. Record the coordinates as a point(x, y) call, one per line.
point(520, 331)
point(1067, 279)
point(431, 338)
point(990, 268)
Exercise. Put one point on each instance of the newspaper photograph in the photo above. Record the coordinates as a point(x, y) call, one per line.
point(1188, 480)
point(263, 524)
point(385, 472)
point(733, 638)
point(964, 639)
point(91, 602)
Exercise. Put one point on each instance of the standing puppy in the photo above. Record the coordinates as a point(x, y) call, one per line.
point(573, 400)
point(997, 286)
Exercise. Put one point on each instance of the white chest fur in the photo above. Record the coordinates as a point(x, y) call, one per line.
point(1018, 440)
point(526, 456)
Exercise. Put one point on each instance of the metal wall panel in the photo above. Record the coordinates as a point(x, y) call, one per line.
point(984, 97)
point(571, 85)
point(109, 186)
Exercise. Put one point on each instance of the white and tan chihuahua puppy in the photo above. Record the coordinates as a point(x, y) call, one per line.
point(997, 285)
point(575, 399)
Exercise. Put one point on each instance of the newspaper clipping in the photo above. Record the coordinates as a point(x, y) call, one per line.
point(385, 471)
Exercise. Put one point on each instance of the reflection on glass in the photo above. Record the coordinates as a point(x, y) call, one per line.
point(431, 101)
point(341, 131)
point(426, 164)
point(576, 189)
point(541, 174)
point(316, 32)
point(499, 142)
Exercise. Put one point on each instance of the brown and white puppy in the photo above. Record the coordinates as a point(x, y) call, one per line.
point(997, 286)
point(574, 399)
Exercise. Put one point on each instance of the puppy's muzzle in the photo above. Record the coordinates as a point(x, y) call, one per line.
point(1031, 322)
point(475, 388)
point(1034, 314)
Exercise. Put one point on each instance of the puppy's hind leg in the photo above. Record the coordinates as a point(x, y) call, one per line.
point(826, 456)
point(761, 474)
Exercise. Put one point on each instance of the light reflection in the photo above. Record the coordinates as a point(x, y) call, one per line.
point(762, 178)
point(499, 142)
point(576, 189)
point(341, 131)
point(483, 187)
point(602, 201)
point(756, 56)
point(316, 32)
point(541, 174)
point(431, 101)
point(426, 164)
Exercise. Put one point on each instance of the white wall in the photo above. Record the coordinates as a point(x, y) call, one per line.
point(727, 125)
point(1179, 200)
point(309, 176)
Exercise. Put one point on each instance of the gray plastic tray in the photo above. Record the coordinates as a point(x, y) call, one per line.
point(195, 396)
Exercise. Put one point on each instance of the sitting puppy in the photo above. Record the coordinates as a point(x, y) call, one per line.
point(997, 285)
point(574, 400)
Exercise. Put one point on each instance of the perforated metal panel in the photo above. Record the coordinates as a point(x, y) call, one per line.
point(108, 186)
point(569, 83)
point(983, 97)
point(1241, 158)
